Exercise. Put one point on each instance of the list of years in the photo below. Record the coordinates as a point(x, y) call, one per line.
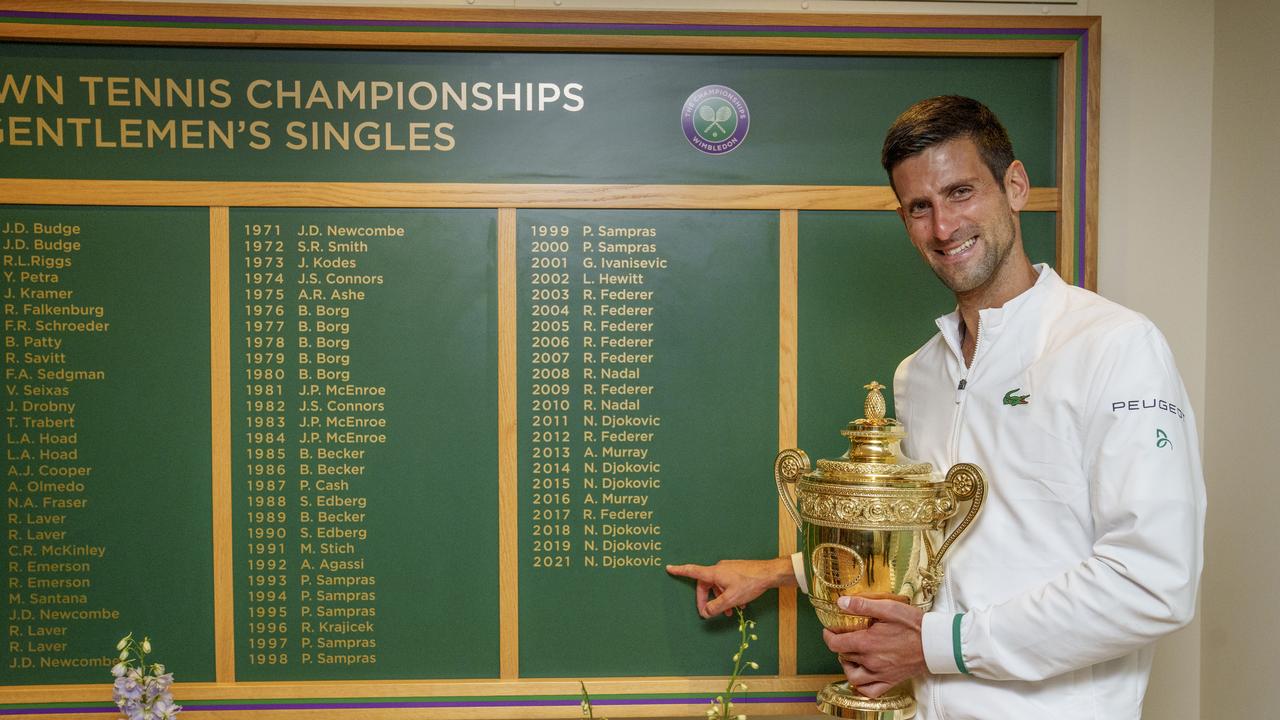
point(319, 538)
point(592, 425)
point(646, 387)
point(338, 368)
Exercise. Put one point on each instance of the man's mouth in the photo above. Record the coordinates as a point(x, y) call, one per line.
point(961, 248)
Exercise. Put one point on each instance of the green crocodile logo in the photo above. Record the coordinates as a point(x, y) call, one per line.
point(1014, 400)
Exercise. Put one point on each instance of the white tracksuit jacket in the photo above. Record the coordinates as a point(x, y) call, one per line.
point(1089, 545)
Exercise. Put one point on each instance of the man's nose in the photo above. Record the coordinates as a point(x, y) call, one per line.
point(945, 222)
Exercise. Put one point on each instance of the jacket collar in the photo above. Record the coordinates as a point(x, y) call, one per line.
point(992, 320)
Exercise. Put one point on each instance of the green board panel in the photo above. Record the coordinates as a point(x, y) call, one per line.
point(107, 440)
point(647, 356)
point(866, 301)
point(236, 114)
point(364, 443)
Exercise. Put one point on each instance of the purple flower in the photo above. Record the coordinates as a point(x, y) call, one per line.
point(157, 684)
point(133, 710)
point(164, 708)
point(126, 688)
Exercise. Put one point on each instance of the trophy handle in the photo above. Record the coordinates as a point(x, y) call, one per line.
point(788, 467)
point(965, 481)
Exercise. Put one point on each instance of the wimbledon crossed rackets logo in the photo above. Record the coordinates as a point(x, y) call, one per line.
point(715, 119)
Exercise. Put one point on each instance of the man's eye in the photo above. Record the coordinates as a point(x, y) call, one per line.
point(961, 193)
point(919, 209)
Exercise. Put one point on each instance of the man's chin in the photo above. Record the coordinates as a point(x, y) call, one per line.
point(957, 283)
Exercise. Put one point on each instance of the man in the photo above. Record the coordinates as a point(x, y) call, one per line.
point(1088, 547)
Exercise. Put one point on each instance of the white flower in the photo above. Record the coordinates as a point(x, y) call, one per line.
point(146, 645)
point(123, 641)
point(754, 665)
point(124, 654)
point(118, 669)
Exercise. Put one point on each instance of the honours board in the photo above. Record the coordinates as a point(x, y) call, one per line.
point(379, 361)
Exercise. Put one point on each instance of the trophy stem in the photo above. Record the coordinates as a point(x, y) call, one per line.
point(840, 700)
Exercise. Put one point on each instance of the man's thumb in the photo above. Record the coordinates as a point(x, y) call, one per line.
point(877, 609)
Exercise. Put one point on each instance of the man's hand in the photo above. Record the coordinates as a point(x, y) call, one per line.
point(885, 654)
point(734, 582)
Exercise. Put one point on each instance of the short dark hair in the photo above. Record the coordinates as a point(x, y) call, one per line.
point(948, 117)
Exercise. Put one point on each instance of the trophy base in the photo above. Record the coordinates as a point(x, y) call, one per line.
point(841, 701)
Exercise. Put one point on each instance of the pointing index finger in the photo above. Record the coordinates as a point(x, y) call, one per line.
point(697, 572)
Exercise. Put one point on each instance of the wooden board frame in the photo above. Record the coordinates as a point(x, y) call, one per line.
point(1073, 40)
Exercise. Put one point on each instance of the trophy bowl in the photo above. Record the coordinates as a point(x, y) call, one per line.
point(872, 525)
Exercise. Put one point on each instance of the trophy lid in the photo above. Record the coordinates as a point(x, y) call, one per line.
point(875, 453)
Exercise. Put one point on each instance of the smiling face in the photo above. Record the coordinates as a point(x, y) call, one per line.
point(962, 220)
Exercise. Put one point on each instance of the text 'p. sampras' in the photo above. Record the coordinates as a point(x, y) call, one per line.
point(133, 112)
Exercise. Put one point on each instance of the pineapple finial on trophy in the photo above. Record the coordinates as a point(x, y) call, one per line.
point(873, 407)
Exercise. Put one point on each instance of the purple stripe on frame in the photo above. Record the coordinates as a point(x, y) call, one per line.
point(58, 710)
point(1082, 178)
point(320, 22)
point(393, 704)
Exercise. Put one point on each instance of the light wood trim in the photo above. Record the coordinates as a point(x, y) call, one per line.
point(463, 195)
point(788, 352)
point(519, 42)
point(673, 20)
point(392, 689)
point(1068, 81)
point(508, 446)
point(220, 419)
point(1094, 113)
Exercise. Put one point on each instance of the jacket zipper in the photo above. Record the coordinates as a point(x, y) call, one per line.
point(936, 695)
point(954, 450)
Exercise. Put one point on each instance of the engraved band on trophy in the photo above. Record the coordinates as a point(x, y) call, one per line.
point(869, 523)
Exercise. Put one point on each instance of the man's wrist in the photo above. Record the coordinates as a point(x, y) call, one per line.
point(796, 571)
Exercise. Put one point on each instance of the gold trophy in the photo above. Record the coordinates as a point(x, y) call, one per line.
point(870, 523)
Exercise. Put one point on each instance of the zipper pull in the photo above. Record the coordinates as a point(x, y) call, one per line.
point(960, 389)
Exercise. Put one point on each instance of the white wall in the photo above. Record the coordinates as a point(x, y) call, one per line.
point(1157, 84)
point(1240, 660)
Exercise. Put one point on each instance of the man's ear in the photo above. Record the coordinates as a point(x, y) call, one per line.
point(902, 214)
point(1017, 186)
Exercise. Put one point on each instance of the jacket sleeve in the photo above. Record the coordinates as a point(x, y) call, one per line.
point(1147, 500)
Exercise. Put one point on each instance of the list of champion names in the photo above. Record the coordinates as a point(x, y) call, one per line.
point(105, 414)
point(592, 424)
point(51, 550)
point(350, 331)
point(647, 374)
point(308, 423)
